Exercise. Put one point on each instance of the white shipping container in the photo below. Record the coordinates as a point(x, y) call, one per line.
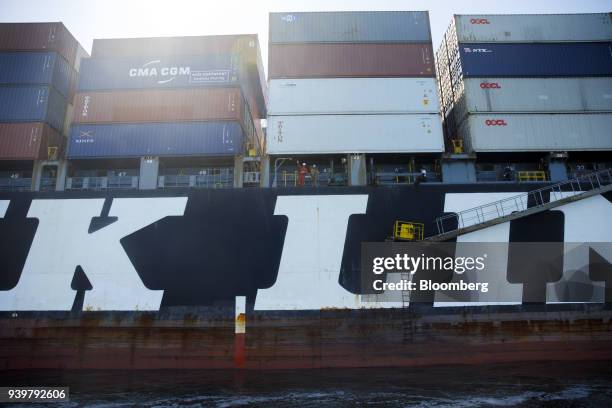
point(536, 95)
point(533, 27)
point(355, 134)
point(537, 132)
point(320, 96)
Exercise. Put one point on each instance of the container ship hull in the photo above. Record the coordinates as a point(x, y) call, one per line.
point(269, 279)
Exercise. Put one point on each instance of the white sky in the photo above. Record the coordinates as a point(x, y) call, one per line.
point(89, 19)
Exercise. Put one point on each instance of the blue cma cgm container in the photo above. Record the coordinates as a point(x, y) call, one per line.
point(536, 60)
point(36, 68)
point(33, 104)
point(158, 72)
point(155, 139)
point(350, 26)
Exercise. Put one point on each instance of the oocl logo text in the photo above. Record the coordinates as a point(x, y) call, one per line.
point(490, 85)
point(150, 69)
point(495, 122)
point(479, 21)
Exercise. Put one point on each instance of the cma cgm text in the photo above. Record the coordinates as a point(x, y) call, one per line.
point(153, 71)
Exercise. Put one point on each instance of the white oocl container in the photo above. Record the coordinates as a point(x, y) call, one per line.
point(533, 27)
point(497, 132)
point(535, 95)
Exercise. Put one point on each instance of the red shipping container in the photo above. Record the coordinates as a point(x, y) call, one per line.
point(167, 105)
point(28, 141)
point(41, 36)
point(335, 60)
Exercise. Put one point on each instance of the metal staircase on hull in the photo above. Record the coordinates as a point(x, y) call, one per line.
point(522, 205)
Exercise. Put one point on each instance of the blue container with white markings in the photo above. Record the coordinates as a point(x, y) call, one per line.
point(156, 139)
point(158, 72)
point(37, 68)
point(32, 104)
point(536, 60)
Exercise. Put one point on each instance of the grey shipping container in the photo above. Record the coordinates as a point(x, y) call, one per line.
point(37, 68)
point(336, 60)
point(534, 95)
point(533, 27)
point(32, 104)
point(502, 132)
point(350, 26)
point(41, 37)
point(245, 44)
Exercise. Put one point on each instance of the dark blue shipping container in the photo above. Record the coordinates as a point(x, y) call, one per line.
point(156, 139)
point(350, 26)
point(36, 68)
point(154, 72)
point(536, 60)
point(33, 104)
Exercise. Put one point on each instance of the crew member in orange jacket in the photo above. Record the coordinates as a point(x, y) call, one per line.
point(302, 171)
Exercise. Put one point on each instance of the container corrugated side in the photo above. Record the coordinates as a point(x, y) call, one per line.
point(247, 45)
point(525, 60)
point(164, 105)
point(535, 95)
point(350, 26)
point(534, 27)
point(314, 134)
point(36, 68)
point(157, 72)
point(80, 55)
point(32, 104)
point(155, 139)
point(187, 71)
point(351, 60)
point(27, 141)
point(537, 132)
point(68, 119)
point(352, 95)
point(38, 37)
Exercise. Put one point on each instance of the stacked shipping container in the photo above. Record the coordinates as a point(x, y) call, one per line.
point(190, 96)
point(515, 83)
point(352, 82)
point(38, 72)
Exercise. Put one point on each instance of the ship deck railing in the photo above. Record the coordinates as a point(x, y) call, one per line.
point(392, 178)
point(15, 184)
point(48, 183)
point(324, 178)
point(222, 179)
point(531, 176)
point(522, 205)
point(102, 183)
